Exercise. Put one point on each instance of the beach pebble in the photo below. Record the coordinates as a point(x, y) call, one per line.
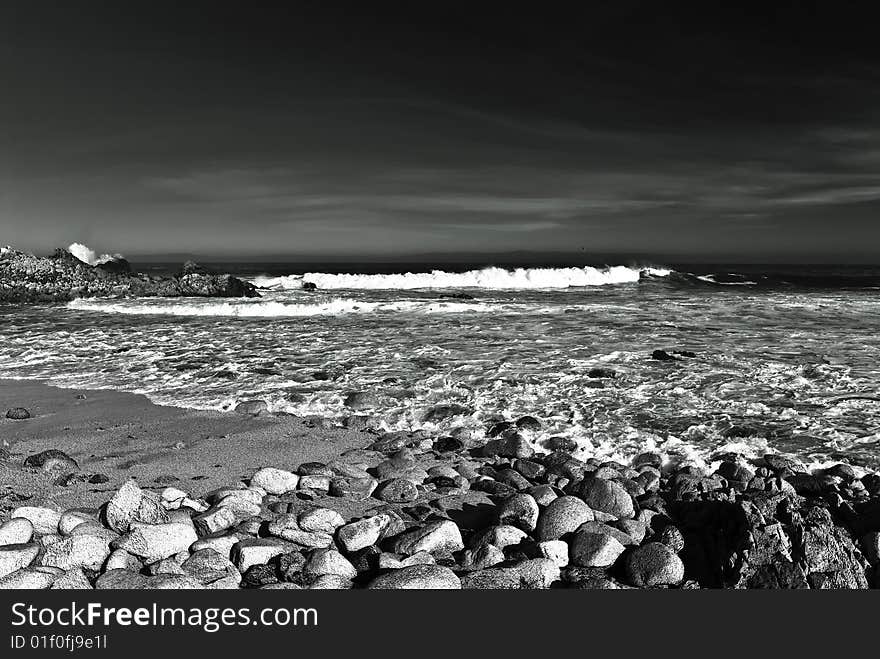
point(501, 536)
point(398, 490)
point(653, 564)
point(672, 538)
point(82, 551)
point(18, 414)
point(634, 528)
point(319, 483)
point(320, 520)
point(512, 446)
point(362, 533)
point(172, 582)
point(15, 557)
point(535, 573)
point(132, 504)
point(252, 407)
point(555, 550)
point(287, 527)
point(222, 544)
point(16, 531)
point(592, 549)
point(520, 510)
point(72, 579)
point(73, 518)
point(328, 561)
point(483, 556)
point(209, 567)
point(435, 537)
point(51, 460)
point(119, 559)
point(352, 488)
point(255, 551)
point(153, 542)
point(44, 520)
point(606, 496)
point(393, 561)
point(29, 578)
point(563, 515)
point(118, 578)
point(543, 495)
point(275, 481)
point(214, 520)
point(434, 577)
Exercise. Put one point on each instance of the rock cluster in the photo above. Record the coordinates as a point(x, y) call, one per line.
point(61, 277)
point(409, 511)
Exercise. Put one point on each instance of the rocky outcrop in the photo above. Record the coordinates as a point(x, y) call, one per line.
point(62, 277)
point(469, 520)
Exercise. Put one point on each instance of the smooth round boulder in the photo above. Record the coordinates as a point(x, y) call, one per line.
point(51, 460)
point(589, 549)
point(654, 564)
point(423, 577)
point(252, 407)
point(18, 414)
point(607, 496)
point(562, 516)
point(275, 481)
point(520, 510)
point(397, 490)
point(16, 531)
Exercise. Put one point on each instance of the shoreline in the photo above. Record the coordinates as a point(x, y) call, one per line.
point(123, 435)
point(104, 489)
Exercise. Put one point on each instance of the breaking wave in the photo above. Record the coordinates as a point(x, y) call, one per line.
point(487, 278)
point(88, 255)
point(332, 307)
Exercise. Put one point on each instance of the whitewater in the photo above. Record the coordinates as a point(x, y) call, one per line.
point(486, 278)
point(756, 366)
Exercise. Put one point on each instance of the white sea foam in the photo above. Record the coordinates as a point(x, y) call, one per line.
point(331, 307)
point(711, 280)
point(88, 255)
point(487, 278)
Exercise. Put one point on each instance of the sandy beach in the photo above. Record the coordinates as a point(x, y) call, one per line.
point(122, 436)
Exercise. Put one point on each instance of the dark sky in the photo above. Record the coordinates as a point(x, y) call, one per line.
point(750, 133)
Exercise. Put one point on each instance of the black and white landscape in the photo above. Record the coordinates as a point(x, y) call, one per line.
point(439, 297)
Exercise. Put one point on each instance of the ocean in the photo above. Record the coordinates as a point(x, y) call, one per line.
point(766, 359)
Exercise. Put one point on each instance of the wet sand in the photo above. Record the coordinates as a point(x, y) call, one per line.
point(122, 435)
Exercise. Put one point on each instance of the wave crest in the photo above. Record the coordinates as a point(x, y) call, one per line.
point(487, 278)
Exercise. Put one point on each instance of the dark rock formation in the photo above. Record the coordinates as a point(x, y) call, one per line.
point(62, 277)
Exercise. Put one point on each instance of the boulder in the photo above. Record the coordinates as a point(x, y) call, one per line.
point(519, 510)
point(592, 549)
point(16, 557)
point(131, 504)
point(427, 577)
point(328, 561)
point(78, 551)
point(275, 481)
point(606, 496)
point(44, 520)
point(654, 564)
point(153, 542)
point(252, 407)
point(51, 460)
point(562, 516)
point(16, 531)
point(362, 533)
point(440, 537)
